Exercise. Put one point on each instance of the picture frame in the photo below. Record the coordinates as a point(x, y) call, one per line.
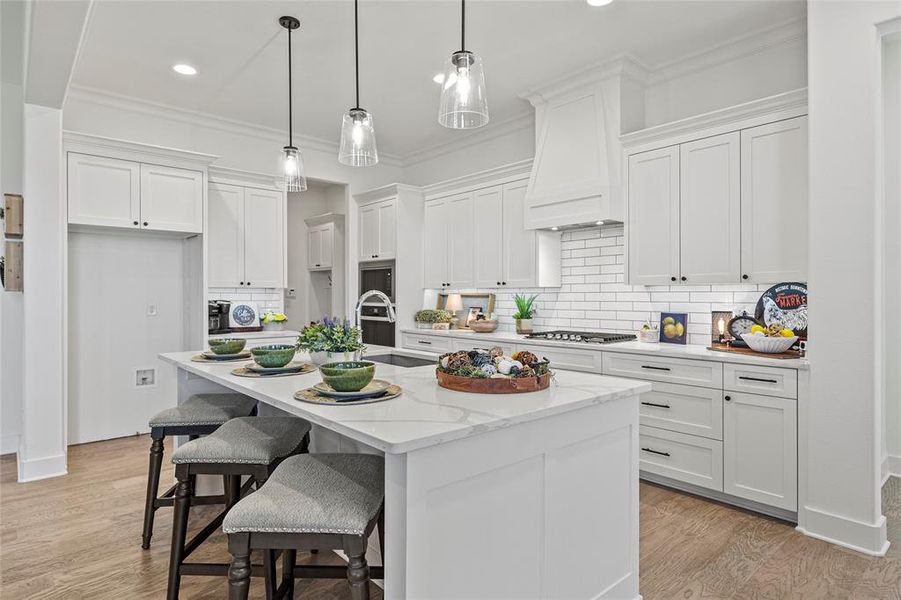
point(471, 316)
point(483, 302)
point(715, 317)
point(673, 328)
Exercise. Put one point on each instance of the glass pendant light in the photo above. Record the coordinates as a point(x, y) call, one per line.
point(357, 132)
point(464, 104)
point(292, 161)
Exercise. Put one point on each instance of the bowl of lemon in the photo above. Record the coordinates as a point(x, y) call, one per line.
point(774, 339)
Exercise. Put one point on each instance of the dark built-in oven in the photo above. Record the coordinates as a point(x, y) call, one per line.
point(378, 277)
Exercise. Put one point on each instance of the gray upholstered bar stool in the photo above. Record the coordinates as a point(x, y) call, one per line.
point(198, 415)
point(245, 446)
point(324, 501)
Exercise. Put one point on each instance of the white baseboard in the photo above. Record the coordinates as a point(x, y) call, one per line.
point(9, 443)
point(893, 466)
point(42, 468)
point(850, 533)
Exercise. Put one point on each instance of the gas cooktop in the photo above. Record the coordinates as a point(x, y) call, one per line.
point(588, 337)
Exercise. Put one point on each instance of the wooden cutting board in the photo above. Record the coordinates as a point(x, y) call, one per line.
point(749, 352)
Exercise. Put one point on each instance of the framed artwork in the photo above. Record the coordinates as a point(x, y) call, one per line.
point(719, 326)
point(473, 313)
point(673, 328)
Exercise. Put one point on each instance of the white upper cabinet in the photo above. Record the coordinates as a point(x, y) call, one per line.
point(460, 247)
point(760, 449)
point(104, 191)
point(378, 230)
point(321, 246)
point(710, 206)
point(489, 239)
point(225, 236)
point(523, 248)
point(246, 244)
point(653, 229)
point(171, 199)
point(264, 244)
point(110, 192)
point(774, 202)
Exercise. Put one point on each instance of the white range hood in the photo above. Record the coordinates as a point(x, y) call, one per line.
point(576, 174)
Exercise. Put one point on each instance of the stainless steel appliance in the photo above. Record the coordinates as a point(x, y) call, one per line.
point(587, 337)
point(217, 316)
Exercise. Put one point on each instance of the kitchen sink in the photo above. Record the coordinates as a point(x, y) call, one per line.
point(400, 361)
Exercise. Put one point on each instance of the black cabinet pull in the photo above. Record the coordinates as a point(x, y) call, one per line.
point(317, 264)
point(145, 223)
point(240, 283)
point(655, 451)
point(757, 379)
point(498, 282)
point(136, 223)
point(672, 278)
point(425, 342)
point(655, 368)
point(248, 283)
point(744, 276)
point(728, 398)
point(504, 282)
point(656, 405)
point(684, 278)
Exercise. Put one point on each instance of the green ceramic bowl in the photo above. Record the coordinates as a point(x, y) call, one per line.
point(227, 345)
point(351, 376)
point(274, 355)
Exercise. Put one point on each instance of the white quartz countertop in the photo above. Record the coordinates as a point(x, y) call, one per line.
point(650, 349)
point(255, 335)
point(425, 414)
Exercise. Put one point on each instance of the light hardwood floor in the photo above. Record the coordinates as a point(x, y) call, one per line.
point(80, 537)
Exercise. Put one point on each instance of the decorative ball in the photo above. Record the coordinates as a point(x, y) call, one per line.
point(504, 366)
point(526, 357)
point(489, 370)
point(458, 360)
point(496, 352)
point(515, 371)
point(526, 371)
point(517, 364)
point(480, 359)
point(445, 360)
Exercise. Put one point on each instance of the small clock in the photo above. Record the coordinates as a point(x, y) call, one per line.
point(739, 325)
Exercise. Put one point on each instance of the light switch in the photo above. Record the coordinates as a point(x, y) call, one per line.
point(151, 310)
point(145, 377)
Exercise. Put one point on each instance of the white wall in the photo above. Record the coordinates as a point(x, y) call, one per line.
point(843, 427)
point(12, 116)
point(891, 69)
point(113, 278)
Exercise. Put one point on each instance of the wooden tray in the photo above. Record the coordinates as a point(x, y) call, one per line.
point(507, 385)
point(749, 352)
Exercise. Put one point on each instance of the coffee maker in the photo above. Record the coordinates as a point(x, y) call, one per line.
point(218, 316)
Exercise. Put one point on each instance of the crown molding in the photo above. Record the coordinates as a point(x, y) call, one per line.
point(74, 141)
point(781, 106)
point(496, 175)
point(738, 47)
point(386, 191)
point(623, 65)
point(217, 123)
point(230, 176)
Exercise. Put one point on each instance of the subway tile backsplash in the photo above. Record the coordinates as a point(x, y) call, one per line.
point(594, 297)
point(265, 298)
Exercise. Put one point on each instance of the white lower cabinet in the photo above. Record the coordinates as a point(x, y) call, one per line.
point(760, 449)
point(689, 458)
point(683, 408)
point(428, 343)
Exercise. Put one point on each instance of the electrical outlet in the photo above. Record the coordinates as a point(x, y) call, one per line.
point(145, 377)
point(151, 310)
point(290, 293)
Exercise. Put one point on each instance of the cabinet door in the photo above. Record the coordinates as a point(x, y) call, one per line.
point(369, 232)
point(434, 259)
point(488, 229)
point(387, 238)
point(461, 245)
point(225, 236)
point(774, 202)
point(760, 449)
point(171, 199)
point(103, 191)
point(264, 249)
point(520, 245)
point(710, 207)
point(653, 226)
point(327, 244)
point(314, 248)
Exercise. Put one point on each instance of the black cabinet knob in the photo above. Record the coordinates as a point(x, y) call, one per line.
point(248, 283)
point(744, 276)
point(684, 278)
point(136, 222)
point(145, 223)
point(498, 282)
point(504, 282)
point(240, 283)
point(728, 398)
point(672, 278)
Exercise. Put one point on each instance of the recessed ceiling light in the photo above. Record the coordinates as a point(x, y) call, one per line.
point(601, 222)
point(439, 78)
point(599, 2)
point(184, 69)
point(555, 228)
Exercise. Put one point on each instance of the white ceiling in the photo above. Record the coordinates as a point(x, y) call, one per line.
point(239, 51)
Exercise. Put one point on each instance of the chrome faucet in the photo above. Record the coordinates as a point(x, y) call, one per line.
point(392, 316)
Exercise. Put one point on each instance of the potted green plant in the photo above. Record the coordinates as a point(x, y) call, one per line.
point(525, 310)
point(273, 321)
point(330, 336)
point(429, 318)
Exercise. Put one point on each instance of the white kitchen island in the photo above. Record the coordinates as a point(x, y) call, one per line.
point(487, 496)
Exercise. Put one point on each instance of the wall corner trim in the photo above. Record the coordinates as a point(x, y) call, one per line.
point(42, 468)
point(863, 537)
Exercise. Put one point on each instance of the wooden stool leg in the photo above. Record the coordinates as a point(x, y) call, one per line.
point(269, 562)
point(381, 526)
point(289, 560)
point(182, 505)
point(239, 571)
point(357, 569)
point(153, 487)
point(232, 489)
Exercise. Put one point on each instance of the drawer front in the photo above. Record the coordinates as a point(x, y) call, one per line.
point(568, 359)
point(668, 370)
point(687, 458)
point(428, 343)
point(466, 344)
point(683, 408)
point(769, 381)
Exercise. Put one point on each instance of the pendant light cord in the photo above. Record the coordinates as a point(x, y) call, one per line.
point(463, 26)
point(290, 117)
point(356, 56)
